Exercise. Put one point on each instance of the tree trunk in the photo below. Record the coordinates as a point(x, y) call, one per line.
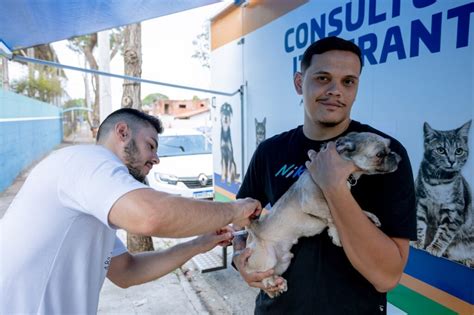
point(138, 243)
point(131, 99)
point(132, 54)
point(88, 53)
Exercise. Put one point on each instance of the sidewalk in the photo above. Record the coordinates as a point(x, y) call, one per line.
point(171, 294)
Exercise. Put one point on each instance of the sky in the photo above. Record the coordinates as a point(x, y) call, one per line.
point(167, 47)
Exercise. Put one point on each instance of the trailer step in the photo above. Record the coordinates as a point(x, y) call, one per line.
point(212, 260)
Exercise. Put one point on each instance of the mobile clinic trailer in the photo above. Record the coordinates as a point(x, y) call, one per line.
point(417, 79)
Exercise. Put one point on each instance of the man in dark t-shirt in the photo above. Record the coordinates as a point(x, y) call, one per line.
point(324, 278)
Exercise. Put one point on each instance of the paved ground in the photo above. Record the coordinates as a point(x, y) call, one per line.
point(171, 294)
point(184, 291)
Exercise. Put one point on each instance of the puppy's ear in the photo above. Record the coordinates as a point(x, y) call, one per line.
point(345, 145)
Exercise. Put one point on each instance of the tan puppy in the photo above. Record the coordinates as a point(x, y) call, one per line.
point(303, 211)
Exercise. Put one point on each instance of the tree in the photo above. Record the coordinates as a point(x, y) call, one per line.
point(42, 82)
point(151, 98)
point(85, 45)
point(132, 55)
point(132, 52)
point(42, 88)
point(201, 47)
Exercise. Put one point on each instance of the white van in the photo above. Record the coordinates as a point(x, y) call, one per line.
point(185, 166)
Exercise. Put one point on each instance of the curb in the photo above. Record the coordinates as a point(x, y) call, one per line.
point(210, 298)
point(191, 294)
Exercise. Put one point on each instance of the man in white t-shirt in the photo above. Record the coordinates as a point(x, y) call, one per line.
point(58, 237)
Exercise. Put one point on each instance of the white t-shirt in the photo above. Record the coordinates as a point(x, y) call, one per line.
point(55, 239)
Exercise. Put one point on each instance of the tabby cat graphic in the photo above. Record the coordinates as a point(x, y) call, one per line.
point(260, 130)
point(444, 200)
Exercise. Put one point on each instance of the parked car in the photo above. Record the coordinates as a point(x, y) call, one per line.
point(185, 166)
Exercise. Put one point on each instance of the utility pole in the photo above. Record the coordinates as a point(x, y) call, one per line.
point(104, 65)
point(5, 79)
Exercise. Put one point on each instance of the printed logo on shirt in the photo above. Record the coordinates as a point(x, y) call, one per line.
point(107, 262)
point(292, 170)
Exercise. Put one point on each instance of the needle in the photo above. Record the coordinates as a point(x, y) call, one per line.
point(239, 233)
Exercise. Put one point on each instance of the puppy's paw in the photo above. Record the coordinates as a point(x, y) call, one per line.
point(270, 283)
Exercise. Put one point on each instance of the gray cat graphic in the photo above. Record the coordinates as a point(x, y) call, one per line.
point(444, 200)
point(260, 131)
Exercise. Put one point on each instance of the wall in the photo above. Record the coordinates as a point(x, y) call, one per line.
point(418, 67)
point(183, 108)
point(29, 129)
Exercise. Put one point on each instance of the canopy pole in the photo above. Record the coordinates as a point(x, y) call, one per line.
point(5, 51)
point(126, 77)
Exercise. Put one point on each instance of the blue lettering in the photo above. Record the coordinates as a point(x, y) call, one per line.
point(333, 21)
point(295, 65)
point(289, 48)
point(395, 8)
point(301, 35)
point(357, 14)
point(463, 13)
point(283, 170)
point(422, 3)
point(319, 29)
point(432, 40)
point(395, 34)
point(299, 171)
point(360, 16)
point(373, 17)
point(368, 50)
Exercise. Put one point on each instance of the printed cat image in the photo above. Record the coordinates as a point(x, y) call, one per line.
point(260, 131)
point(444, 200)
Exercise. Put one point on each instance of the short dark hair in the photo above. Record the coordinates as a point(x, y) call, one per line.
point(327, 44)
point(134, 119)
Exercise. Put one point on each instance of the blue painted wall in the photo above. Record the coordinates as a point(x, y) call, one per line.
point(29, 129)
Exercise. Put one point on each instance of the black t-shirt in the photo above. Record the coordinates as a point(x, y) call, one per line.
point(321, 280)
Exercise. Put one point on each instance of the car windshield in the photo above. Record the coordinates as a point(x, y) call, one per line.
point(183, 145)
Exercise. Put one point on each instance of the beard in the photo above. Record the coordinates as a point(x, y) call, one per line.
point(130, 153)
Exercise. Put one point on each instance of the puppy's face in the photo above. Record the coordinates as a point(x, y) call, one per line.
point(226, 113)
point(225, 120)
point(369, 152)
